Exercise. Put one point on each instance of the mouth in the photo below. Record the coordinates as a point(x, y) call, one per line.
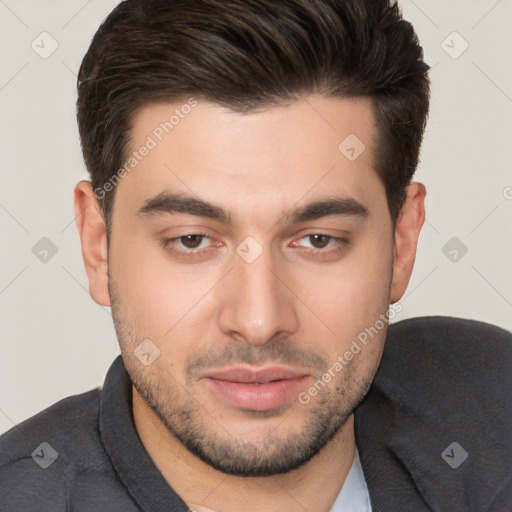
point(256, 390)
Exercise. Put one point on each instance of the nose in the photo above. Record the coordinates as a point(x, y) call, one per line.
point(257, 303)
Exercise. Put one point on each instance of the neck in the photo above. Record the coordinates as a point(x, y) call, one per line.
point(313, 486)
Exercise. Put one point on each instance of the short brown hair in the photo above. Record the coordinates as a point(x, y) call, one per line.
point(249, 55)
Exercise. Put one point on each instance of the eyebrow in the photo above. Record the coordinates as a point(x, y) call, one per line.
point(169, 203)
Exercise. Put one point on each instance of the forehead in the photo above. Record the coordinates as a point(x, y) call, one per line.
point(309, 147)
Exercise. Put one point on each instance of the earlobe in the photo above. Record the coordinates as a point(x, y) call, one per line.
point(407, 232)
point(91, 227)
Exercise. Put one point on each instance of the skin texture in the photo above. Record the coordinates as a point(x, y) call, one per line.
point(298, 305)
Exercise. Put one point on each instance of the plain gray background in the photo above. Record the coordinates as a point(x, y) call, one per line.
point(57, 342)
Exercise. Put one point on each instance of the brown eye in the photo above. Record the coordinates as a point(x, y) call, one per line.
point(191, 241)
point(320, 245)
point(191, 244)
point(319, 241)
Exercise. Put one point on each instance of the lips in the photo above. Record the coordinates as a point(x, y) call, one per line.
point(256, 390)
point(252, 376)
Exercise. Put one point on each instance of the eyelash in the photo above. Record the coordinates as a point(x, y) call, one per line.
point(342, 243)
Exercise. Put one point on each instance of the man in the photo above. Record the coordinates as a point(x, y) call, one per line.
point(250, 219)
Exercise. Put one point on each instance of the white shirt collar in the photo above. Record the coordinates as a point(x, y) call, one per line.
point(354, 495)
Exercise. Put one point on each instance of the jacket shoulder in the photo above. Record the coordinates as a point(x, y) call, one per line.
point(435, 425)
point(452, 369)
point(57, 423)
point(55, 461)
point(451, 347)
point(41, 457)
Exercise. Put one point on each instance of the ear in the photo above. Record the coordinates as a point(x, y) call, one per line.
point(93, 237)
point(407, 231)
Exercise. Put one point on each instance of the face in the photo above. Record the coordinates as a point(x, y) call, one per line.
point(247, 255)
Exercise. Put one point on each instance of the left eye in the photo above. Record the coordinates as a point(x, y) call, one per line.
point(320, 241)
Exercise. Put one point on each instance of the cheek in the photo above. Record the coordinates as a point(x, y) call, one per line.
point(353, 294)
point(143, 287)
point(167, 303)
point(357, 282)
